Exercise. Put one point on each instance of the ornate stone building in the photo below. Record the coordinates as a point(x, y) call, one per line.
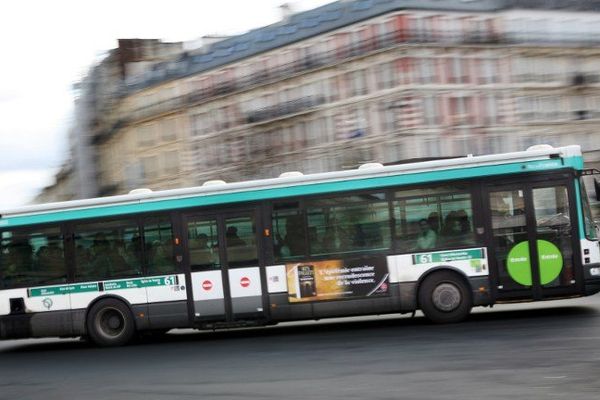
point(357, 81)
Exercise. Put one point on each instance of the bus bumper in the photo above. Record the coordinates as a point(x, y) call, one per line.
point(591, 273)
point(15, 326)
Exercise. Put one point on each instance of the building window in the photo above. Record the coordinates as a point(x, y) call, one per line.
point(202, 124)
point(387, 116)
point(386, 75)
point(171, 162)
point(168, 129)
point(358, 83)
point(430, 110)
point(149, 168)
point(146, 135)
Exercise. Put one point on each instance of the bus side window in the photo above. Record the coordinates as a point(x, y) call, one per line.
point(349, 224)
point(158, 236)
point(240, 239)
point(432, 218)
point(102, 250)
point(203, 244)
point(289, 238)
point(32, 258)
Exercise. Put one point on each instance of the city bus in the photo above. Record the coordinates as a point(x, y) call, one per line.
point(439, 236)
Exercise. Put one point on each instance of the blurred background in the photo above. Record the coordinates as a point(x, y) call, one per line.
point(330, 86)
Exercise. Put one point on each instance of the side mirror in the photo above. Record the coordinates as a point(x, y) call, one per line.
point(597, 188)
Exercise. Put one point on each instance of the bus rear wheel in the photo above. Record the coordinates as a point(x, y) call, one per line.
point(110, 323)
point(444, 297)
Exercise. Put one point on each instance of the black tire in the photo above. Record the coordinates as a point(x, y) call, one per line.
point(110, 323)
point(444, 297)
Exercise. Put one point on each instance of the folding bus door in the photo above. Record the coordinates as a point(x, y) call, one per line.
point(223, 258)
point(532, 239)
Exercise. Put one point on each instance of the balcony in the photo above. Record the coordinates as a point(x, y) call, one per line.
point(105, 134)
point(283, 109)
point(158, 108)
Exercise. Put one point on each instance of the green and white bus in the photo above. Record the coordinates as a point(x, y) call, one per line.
point(441, 236)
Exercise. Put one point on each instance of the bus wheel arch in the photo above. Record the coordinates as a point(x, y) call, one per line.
point(110, 321)
point(444, 295)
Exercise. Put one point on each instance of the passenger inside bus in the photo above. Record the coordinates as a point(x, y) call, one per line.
point(201, 255)
point(20, 260)
point(161, 257)
point(292, 244)
point(427, 237)
point(457, 229)
point(233, 240)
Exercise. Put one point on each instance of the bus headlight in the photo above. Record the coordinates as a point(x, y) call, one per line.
point(595, 271)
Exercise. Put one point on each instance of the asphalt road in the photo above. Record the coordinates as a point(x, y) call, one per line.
point(529, 351)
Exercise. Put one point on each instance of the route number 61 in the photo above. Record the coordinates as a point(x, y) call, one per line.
point(425, 258)
point(169, 280)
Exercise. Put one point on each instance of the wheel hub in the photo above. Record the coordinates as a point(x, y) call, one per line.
point(446, 297)
point(110, 322)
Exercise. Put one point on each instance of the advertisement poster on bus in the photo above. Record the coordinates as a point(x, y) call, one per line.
point(337, 279)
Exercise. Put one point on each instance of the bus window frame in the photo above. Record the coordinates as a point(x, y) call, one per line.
point(66, 256)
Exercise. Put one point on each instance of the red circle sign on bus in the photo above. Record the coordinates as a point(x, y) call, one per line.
point(245, 281)
point(207, 285)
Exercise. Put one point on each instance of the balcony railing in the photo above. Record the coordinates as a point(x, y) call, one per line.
point(354, 49)
point(282, 109)
point(104, 134)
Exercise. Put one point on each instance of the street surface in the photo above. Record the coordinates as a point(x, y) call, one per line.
point(545, 350)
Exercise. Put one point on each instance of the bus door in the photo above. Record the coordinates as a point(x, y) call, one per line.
point(532, 240)
point(223, 259)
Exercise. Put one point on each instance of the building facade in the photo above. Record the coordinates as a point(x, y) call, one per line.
point(358, 81)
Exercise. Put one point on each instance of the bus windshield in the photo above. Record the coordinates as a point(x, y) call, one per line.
point(589, 226)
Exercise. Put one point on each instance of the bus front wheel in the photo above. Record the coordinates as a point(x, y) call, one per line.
point(110, 323)
point(444, 297)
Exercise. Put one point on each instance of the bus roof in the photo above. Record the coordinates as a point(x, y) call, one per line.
point(536, 158)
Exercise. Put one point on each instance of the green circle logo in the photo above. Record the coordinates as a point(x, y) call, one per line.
point(519, 265)
point(550, 261)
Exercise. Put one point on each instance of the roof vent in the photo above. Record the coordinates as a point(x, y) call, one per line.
point(291, 174)
point(371, 165)
point(537, 147)
point(140, 191)
point(214, 182)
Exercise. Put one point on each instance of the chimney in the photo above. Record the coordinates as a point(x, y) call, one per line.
point(286, 11)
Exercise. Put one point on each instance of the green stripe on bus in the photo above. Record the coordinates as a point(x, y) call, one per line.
point(299, 190)
point(108, 285)
point(447, 256)
point(63, 289)
point(140, 283)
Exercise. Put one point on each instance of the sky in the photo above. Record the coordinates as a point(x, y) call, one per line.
point(47, 46)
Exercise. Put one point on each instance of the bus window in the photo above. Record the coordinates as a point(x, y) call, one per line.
point(289, 238)
point(590, 227)
point(433, 218)
point(158, 237)
point(32, 258)
point(203, 245)
point(553, 227)
point(106, 250)
point(349, 224)
point(240, 236)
